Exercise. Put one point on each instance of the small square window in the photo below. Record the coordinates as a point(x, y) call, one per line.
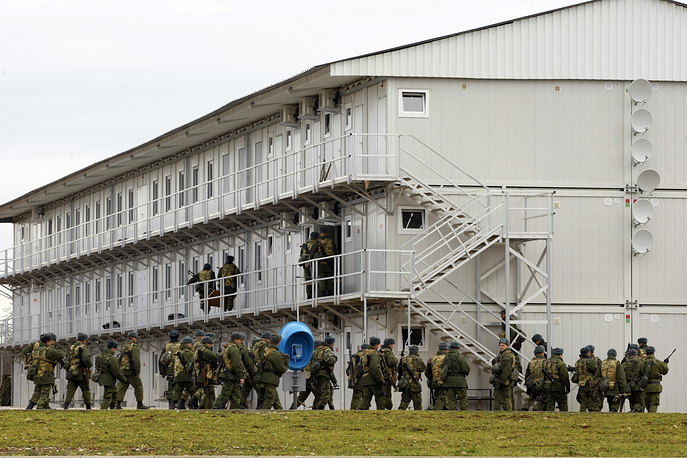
point(412, 220)
point(349, 118)
point(413, 104)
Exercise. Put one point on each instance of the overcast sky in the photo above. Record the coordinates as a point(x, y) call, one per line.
point(81, 81)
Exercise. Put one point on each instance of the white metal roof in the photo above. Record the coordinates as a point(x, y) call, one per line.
point(596, 40)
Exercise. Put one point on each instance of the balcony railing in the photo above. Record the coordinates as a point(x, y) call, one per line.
point(358, 275)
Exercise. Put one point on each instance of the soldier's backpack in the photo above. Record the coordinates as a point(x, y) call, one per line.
point(643, 381)
point(100, 362)
point(609, 368)
point(535, 381)
point(437, 366)
point(41, 363)
point(164, 361)
point(630, 367)
point(72, 361)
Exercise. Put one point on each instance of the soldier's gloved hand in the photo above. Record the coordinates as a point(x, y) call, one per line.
point(667, 360)
point(506, 383)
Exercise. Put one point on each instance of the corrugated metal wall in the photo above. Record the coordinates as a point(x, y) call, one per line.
point(603, 40)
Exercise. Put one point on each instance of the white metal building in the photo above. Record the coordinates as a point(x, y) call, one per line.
point(437, 167)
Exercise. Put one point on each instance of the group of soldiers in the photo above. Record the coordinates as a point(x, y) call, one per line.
point(637, 378)
point(318, 249)
point(206, 279)
point(41, 358)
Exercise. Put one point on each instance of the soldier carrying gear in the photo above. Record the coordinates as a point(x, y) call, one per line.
point(204, 276)
point(321, 375)
point(534, 380)
point(183, 381)
point(275, 365)
point(409, 382)
point(231, 374)
point(612, 371)
point(454, 372)
point(654, 369)
point(585, 368)
point(305, 257)
point(433, 374)
point(78, 371)
point(324, 248)
point(630, 364)
point(107, 365)
point(45, 357)
point(557, 383)
point(505, 373)
point(229, 272)
point(130, 365)
point(373, 378)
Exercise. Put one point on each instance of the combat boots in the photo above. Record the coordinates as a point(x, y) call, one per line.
point(192, 402)
point(171, 404)
point(31, 405)
point(140, 406)
point(119, 405)
point(65, 406)
point(88, 407)
point(182, 405)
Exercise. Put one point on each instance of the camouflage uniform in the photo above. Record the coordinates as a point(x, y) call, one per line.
point(585, 368)
point(183, 381)
point(597, 401)
point(130, 365)
point(630, 365)
point(231, 375)
point(503, 386)
point(558, 389)
point(79, 363)
point(534, 380)
point(173, 346)
point(27, 352)
point(46, 356)
point(373, 380)
point(391, 362)
point(206, 372)
point(309, 376)
point(275, 365)
point(249, 370)
point(412, 364)
point(109, 374)
point(322, 383)
point(205, 275)
point(306, 249)
point(434, 366)
point(355, 378)
point(613, 370)
point(228, 272)
point(324, 247)
point(655, 369)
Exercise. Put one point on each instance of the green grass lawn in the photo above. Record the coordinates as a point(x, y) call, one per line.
point(163, 432)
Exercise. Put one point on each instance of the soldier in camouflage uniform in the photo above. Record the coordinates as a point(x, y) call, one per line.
point(275, 365)
point(454, 372)
point(46, 357)
point(183, 380)
point(642, 343)
point(323, 379)
point(557, 389)
point(173, 346)
point(534, 381)
point(630, 364)
point(203, 276)
point(434, 382)
point(323, 247)
point(259, 350)
point(249, 370)
point(613, 370)
point(231, 374)
point(130, 365)
point(107, 364)
point(309, 376)
point(79, 371)
point(307, 248)
point(655, 369)
point(411, 369)
point(585, 368)
point(502, 373)
point(356, 377)
point(229, 271)
point(373, 380)
point(537, 339)
point(517, 336)
point(390, 363)
point(27, 353)
point(206, 371)
point(197, 393)
point(597, 401)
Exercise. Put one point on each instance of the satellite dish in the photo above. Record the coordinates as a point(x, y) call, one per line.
point(641, 120)
point(642, 211)
point(648, 180)
point(640, 91)
point(642, 242)
point(642, 149)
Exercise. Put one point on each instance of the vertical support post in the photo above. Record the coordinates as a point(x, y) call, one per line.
point(549, 324)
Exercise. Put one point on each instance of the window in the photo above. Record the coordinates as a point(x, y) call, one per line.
point(181, 184)
point(327, 124)
point(49, 232)
point(58, 229)
point(270, 147)
point(288, 243)
point(194, 183)
point(241, 263)
point(168, 193)
point(97, 217)
point(156, 196)
point(87, 225)
point(87, 297)
point(98, 295)
point(182, 277)
point(168, 281)
point(132, 211)
point(23, 232)
point(108, 213)
point(288, 140)
point(120, 290)
point(258, 260)
point(349, 118)
point(412, 220)
point(270, 246)
point(413, 104)
point(131, 289)
point(210, 177)
point(155, 282)
point(108, 293)
point(119, 209)
point(77, 222)
point(349, 229)
point(417, 336)
point(225, 174)
point(307, 133)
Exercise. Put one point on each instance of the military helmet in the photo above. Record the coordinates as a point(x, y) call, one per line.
point(496, 368)
point(631, 352)
point(53, 336)
point(207, 266)
point(133, 334)
point(112, 344)
point(255, 340)
point(45, 338)
point(557, 351)
point(275, 338)
point(454, 344)
point(235, 335)
point(414, 349)
point(266, 335)
point(314, 236)
point(584, 350)
point(539, 349)
point(612, 352)
point(207, 340)
point(591, 348)
point(242, 336)
point(317, 343)
point(650, 350)
point(389, 341)
point(536, 338)
point(443, 346)
point(198, 333)
point(375, 341)
point(174, 334)
point(187, 340)
point(81, 336)
point(210, 334)
point(365, 346)
point(642, 340)
point(505, 341)
point(230, 258)
point(635, 346)
point(329, 340)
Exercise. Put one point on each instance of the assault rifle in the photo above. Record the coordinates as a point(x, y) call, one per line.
point(84, 371)
point(621, 399)
point(387, 369)
point(667, 360)
point(201, 364)
point(131, 363)
point(351, 366)
point(550, 377)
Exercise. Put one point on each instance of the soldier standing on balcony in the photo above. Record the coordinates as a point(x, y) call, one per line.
point(203, 276)
point(229, 272)
point(322, 248)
